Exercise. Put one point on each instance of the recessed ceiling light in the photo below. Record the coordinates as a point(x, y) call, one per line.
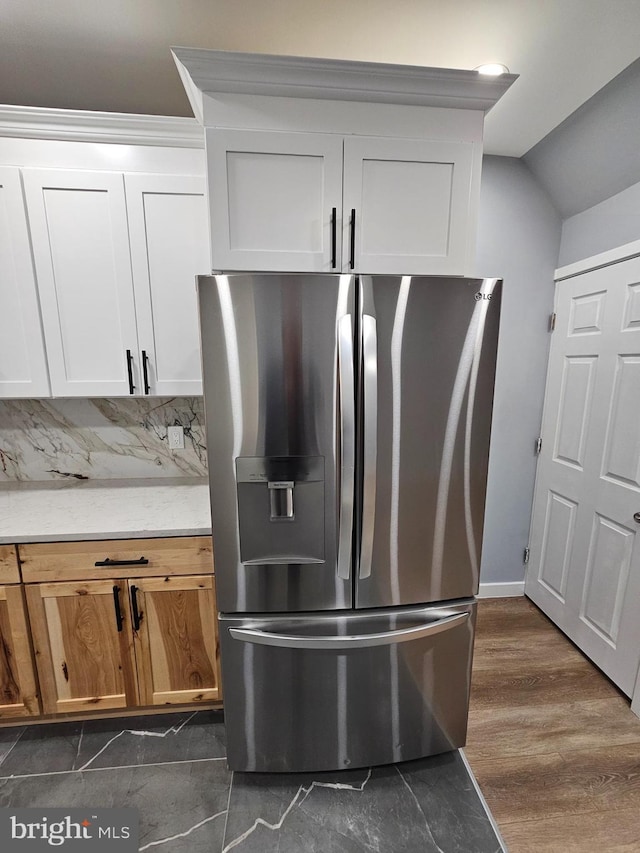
point(492, 69)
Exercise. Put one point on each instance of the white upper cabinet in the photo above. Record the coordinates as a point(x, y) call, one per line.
point(116, 259)
point(276, 200)
point(317, 165)
point(315, 202)
point(23, 368)
point(169, 248)
point(81, 250)
point(406, 206)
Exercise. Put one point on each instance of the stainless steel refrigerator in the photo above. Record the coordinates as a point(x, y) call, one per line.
point(348, 421)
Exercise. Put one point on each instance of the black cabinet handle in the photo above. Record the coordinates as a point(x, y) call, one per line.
point(132, 387)
point(352, 258)
point(145, 371)
point(116, 603)
point(334, 225)
point(134, 608)
point(109, 562)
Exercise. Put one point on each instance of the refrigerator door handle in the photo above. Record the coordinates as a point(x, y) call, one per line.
point(353, 641)
point(347, 443)
point(370, 440)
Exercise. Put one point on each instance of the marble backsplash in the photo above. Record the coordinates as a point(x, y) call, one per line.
point(100, 439)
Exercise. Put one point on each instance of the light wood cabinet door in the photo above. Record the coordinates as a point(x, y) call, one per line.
point(9, 571)
point(176, 640)
point(80, 241)
point(169, 248)
point(411, 199)
point(272, 197)
point(18, 691)
point(83, 645)
point(23, 367)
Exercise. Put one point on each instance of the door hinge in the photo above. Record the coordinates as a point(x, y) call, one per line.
point(526, 556)
point(552, 322)
point(539, 445)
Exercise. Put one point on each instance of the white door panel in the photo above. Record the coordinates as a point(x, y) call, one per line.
point(584, 569)
point(411, 202)
point(23, 368)
point(81, 249)
point(272, 197)
point(557, 543)
point(169, 248)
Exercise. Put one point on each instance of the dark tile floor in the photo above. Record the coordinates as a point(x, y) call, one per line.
point(172, 769)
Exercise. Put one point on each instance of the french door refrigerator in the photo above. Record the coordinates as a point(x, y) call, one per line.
point(348, 422)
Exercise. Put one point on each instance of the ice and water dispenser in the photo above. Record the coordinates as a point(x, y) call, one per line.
point(281, 509)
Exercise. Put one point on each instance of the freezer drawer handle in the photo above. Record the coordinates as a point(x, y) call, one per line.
point(347, 442)
point(354, 641)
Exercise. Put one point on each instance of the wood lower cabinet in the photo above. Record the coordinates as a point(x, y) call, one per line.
point(83, 646)
point(176, 644)
point(18, 691)
point(144, 635)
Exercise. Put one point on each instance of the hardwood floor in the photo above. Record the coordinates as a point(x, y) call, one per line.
point(554, 745)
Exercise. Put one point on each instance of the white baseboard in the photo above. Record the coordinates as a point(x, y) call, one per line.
point(501, 590)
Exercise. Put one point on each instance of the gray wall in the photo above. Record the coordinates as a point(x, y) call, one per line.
point(594, 153)
point(518, 240)
point(604, 226)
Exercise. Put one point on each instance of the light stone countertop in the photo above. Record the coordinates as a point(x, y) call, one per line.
point(103, 509)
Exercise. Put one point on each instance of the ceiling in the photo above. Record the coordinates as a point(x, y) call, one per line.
point(113, 55)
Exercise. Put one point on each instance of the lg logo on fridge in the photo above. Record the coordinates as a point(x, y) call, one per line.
point(72, 829)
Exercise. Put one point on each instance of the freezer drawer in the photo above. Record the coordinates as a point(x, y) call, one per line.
point(324, 691)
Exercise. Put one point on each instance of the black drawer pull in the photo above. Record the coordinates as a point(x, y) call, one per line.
point(334, 241)
point(352, 250)
point(132, 387)
point(137, 616)
point(116, 602)
point(109, 562)
point(145, 371)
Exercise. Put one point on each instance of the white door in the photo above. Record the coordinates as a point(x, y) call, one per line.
point(23, 367)
point(169, 248)
point(80, 241)
point(584, 569)
point(410, 201)
point(275, 200)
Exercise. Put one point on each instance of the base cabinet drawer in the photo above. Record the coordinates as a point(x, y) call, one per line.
point(18, 690)
point(122, 558)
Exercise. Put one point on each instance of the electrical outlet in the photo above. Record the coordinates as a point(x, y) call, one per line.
point(175, 435)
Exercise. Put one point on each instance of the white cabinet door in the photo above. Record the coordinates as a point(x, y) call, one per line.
point(169, 247)
point(584, 568)
point(81, 249)
point(23, 368)
point(275, 200)
point(410, 199)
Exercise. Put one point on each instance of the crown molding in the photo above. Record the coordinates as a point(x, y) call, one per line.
point(218, 71)
point(86, 126)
